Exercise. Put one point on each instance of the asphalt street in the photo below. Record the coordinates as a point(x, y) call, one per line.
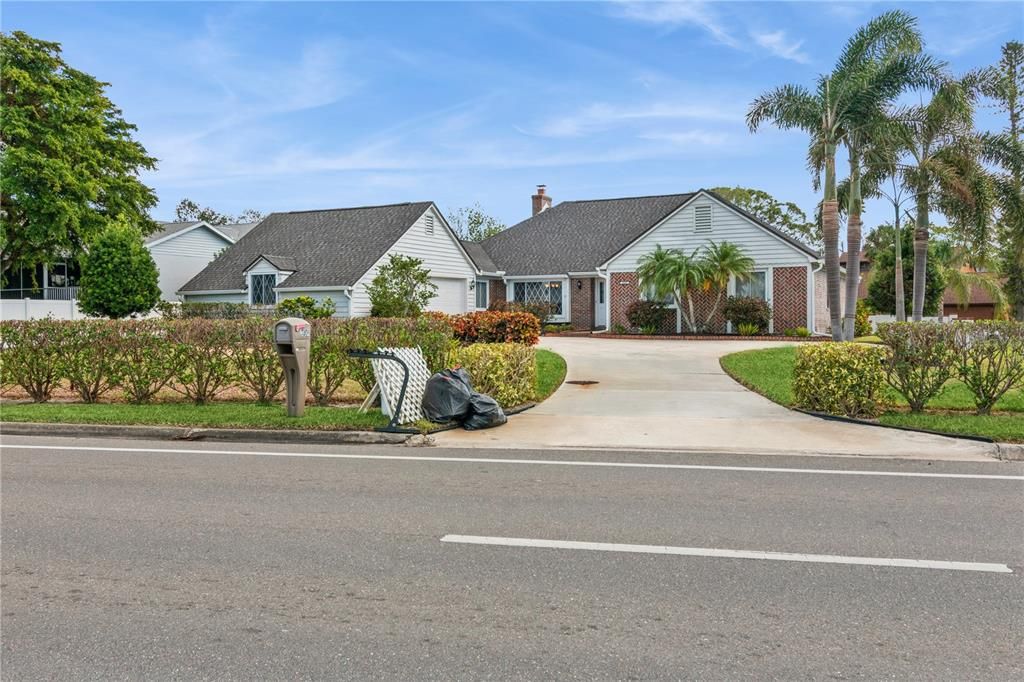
point(128, 559)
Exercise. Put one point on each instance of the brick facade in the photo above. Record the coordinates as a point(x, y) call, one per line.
point(581, 303)
point(623, 290)
point(497, 292)
point(789, 298)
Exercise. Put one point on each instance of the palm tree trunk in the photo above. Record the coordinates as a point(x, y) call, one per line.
point(920, 254)
point(714, 308)
point(679, 314)
point(901, 297)
point(852, 251)
point(692, 320)
point(830, 229)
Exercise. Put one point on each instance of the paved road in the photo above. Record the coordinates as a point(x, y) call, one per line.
point(674, 395)
point(200, 563)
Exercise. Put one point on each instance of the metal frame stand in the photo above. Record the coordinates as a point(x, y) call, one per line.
point(396, 409)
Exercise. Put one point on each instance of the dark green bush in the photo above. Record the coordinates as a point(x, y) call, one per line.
point(920, 359)
point(839, 378)
point(647, 316)
point(306, 307)
point(747, 310)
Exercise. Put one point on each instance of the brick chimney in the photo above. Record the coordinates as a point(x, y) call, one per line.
point(541, 201)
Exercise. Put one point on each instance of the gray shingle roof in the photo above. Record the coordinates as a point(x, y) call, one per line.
point(479, 257)
point(167, 229)
point(237, 230)
point(332, 247)
point(577, 236)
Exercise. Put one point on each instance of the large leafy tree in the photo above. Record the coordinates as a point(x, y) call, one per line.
point(784, 215)
point(119, 277)
point(878, 63)
point(68, 162)
point(188, 211)
point(472, 224)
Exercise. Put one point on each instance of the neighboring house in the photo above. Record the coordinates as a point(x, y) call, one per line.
point(182, 250)
point(334, 254)
point(582, 256)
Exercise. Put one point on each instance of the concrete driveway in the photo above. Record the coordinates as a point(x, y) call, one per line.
point(673, 395)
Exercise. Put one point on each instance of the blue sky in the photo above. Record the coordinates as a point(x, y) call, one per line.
point(290, 106)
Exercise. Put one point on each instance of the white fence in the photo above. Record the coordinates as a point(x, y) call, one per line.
point(34, 308)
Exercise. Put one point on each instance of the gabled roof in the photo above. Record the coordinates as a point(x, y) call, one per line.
point(577, 236)
point(580, 236)
point(333, 247)
point(282, 263)
point(237, 230)
point(480, 259)
point(170, 230)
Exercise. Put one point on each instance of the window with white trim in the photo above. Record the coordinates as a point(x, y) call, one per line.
point(539, 292)
point(754, 285)
point(481, 294)
point(702, 218)
point(261, 289)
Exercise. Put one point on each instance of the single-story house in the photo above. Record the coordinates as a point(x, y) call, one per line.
point(334, 254)
point(182, 250)
point(579, 256)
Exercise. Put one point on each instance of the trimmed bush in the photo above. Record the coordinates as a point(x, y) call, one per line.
point(204, 357)
point(306, 307)
point(839, 378)
point(746, 310)
point(505, 371)
point(213, 311)
point(258, 369)
point(989, 358)
point(492, 327)
point(90, 357)
point(432, 336)
point(147, 358)
point(542, 311)
point(647, 316)
point(32, 356)
point(329, 364)
point(920, 359)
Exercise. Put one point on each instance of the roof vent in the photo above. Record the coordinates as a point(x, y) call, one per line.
point(702, 218)
point(428, 224)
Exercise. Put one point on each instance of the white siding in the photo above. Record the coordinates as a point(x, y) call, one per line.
point(677, 232)
point(182, 257)
point(440, 253)
point(216, 298)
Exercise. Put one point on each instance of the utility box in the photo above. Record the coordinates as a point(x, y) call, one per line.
point(291, 338)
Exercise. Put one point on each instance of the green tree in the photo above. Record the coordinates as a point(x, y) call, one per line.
point(188, 211)
point(784, 215)
point(471, 224)
point(721, 263)
point(119, 277)
point(878, 63)
point(68, 163)
point(882, 288)
point(401, 288)
point(672, 272)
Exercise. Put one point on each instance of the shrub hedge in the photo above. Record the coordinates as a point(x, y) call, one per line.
point(505, 371)
point(747, 310)
point(839, 378)
point(920, 359)
point(198, 357)
point(490, 326)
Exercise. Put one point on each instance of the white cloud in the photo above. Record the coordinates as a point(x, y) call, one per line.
point(777, 44)
point(673, 14)
point(689, 137)
point(601, 116)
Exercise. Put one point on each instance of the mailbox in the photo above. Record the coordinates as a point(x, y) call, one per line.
point(291, 337)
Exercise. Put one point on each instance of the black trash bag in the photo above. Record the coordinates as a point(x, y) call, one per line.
point(447, 396)
point(484, 413)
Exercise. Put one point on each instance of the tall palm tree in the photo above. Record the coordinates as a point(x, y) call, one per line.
point(880, 61)
point(721, 263)
point(934, 137)
point(673, 272)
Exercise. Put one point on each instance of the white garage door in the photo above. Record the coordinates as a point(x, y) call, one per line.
point(451, 295)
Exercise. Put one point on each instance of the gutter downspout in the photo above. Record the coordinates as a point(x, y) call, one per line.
point(814, 299)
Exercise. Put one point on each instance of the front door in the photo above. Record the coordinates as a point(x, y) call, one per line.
point(600, 307)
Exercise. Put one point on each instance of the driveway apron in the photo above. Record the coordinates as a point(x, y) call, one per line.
point(674, 395)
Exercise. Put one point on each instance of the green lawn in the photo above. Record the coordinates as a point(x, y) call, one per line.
point(550, 372)
point(222, 414)
point(770, 372)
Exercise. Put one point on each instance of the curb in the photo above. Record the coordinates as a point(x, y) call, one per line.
point(1011, 452)
point(187, 433)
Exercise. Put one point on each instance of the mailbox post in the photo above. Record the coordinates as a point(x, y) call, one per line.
point(291, 337)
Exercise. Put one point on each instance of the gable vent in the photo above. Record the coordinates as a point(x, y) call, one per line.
point(428, 224)
point(701, 218)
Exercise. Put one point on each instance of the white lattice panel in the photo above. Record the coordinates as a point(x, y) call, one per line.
point(389, 377)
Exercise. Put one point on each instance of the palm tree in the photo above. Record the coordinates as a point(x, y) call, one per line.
point(673, 272)
point(963, 274)
point(722, 262)
point(934, 138)
point(878, 62)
